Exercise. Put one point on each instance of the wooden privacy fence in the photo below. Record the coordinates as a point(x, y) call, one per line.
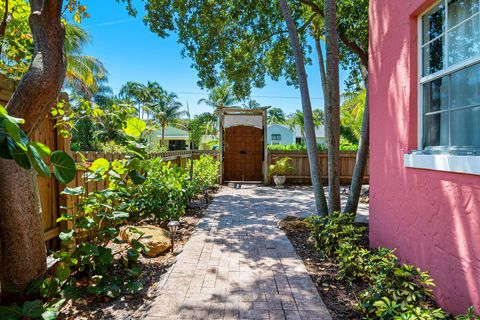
point(50, 189)
point(301, 172)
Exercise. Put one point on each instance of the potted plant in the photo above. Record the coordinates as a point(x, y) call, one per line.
point(279, 171)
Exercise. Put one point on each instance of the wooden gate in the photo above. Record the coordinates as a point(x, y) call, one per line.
point(243, 154)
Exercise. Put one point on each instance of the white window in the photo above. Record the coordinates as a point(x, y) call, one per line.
point(276, 137)
point(450, 78)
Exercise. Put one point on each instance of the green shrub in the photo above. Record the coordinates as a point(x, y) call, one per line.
point(330, 231)
point(357, 263)
point(399, 292)
point(345, 145)
point(205, 172)
point(165, 194)
point(470, 315)
point(281, 167)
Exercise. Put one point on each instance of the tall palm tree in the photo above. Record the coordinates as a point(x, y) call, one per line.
point(250, 104)
point(276, 115)
point(297, 120)
point(164, 107)
point(85, 74)
point(220, 96)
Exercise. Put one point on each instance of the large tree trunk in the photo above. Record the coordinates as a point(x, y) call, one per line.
point(23, 254)
point(311, 141)
point(321, 64)
point(362, 155)
point(332, 110)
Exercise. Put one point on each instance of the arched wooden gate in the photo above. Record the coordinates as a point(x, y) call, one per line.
point(243, 153)
point(243, 146)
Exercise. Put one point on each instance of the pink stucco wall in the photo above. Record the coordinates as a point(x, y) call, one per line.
point(431, 217)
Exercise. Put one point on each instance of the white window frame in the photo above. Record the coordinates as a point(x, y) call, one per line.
point(469, 164)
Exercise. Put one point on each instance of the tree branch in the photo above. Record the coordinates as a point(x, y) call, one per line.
point(306, 24)
point(362, 54)
point(41, 84)
point(3, 25)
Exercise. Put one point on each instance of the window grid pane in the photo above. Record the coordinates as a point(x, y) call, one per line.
point(451, 104)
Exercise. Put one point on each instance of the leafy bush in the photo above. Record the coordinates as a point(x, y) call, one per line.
point(400, 292)
point(165, 193)
point(167, 190)
point(345, 145)
point(395, 291)
point(281, 167)
point(470, 315)
point(205, 172)
point(357, 263)
point(330, 231)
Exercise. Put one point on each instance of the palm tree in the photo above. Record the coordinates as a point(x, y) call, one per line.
point(251, 104)
point(85, 74)
point(164, 107)
point(297, 120)
point(312, 149)
point(276, 115)
point(318, 117)
point(220, 96)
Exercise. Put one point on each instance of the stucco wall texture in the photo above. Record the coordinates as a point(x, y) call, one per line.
point(431, 217)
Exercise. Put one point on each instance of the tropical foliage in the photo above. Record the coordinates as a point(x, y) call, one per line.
point(281, 167)
point(16, 146)
point(276, 116)
point(220, 96)
point(394, 291)
point(84, 75)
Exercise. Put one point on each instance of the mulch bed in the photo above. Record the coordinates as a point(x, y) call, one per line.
point(340, 297)
point(129, 306)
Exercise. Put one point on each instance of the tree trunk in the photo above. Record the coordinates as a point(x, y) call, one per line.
point(362, 155)
point(23, 252)
point(332, 110)
point(163, 135)
point(312, 149)
point(323, 73)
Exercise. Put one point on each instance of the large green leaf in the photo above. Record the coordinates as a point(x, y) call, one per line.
point(63, 166)
point(18, 154)
point(100, 166)
point(32, 309)
point(13, 131)
point(38, 164)
point(4, 114)
point(136, 177)
point(42, 149)
point(135, 127)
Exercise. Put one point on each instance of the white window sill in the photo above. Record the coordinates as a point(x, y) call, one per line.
point(449, 163)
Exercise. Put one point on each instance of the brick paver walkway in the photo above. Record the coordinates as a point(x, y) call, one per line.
point(239, 265)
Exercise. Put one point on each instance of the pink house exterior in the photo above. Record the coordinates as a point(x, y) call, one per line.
point(427, 203)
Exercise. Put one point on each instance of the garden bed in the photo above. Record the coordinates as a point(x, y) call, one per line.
point(340, 297)
point(130, 306)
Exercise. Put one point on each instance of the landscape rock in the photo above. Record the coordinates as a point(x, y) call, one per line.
point(156, 239)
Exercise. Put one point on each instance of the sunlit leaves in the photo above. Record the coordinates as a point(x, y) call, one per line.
point(134, 127)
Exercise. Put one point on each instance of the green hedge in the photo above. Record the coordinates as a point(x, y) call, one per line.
point(395, 290)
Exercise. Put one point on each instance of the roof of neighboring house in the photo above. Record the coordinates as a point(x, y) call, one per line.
point(172, 133)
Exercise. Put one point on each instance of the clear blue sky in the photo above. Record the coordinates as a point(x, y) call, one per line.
point(131, 52)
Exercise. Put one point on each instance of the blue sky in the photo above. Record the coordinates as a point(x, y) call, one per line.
point(131, 52)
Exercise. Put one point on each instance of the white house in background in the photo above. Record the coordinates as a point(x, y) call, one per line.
point(175, 138)
point(319, 133)
point(280, 134)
